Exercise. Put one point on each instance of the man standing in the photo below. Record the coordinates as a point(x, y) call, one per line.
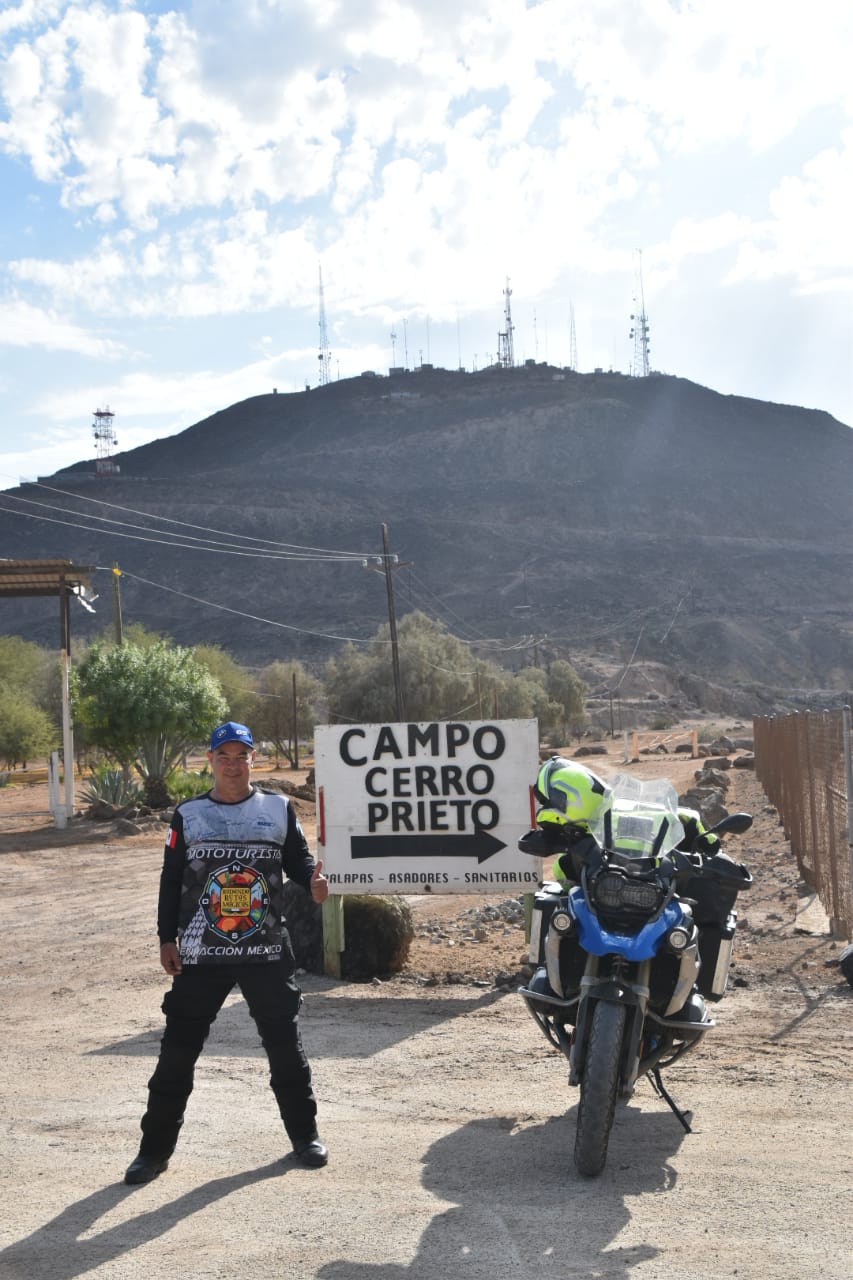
point(228, 853)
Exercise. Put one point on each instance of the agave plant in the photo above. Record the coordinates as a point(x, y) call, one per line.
point(112, 786)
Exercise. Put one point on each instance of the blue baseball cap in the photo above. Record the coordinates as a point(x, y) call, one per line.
point(231, 732)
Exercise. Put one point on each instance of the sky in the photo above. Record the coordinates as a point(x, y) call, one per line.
point(175, 178)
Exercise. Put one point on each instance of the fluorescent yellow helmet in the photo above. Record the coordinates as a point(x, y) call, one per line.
point(568, 792)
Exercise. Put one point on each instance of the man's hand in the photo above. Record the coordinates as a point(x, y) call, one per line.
point(170, 958)
point(319, 884)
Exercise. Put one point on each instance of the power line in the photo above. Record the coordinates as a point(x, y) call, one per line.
point(474, 637)
point(186, 545)
point(150, 515)
point(240, 613)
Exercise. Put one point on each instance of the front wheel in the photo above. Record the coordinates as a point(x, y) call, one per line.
point(599, 1087)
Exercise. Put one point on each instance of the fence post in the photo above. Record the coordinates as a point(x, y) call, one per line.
point(54, 804)
point(848, 775)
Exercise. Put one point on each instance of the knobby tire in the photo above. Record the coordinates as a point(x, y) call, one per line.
point(599, 1087)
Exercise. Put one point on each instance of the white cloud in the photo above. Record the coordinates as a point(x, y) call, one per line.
point(808, 237)
point(159, 115)
point(213, 153)
point(29, 13)
point(188, 395)
point(23, 325)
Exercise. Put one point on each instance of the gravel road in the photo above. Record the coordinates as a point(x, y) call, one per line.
point(447, 1115)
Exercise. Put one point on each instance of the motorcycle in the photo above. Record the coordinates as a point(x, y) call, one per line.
point(628, 956)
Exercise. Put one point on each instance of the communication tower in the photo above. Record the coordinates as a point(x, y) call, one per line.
point(640, 327)
point(573, 340)
point(506, 357)
point(105, 442)
point(324, 355)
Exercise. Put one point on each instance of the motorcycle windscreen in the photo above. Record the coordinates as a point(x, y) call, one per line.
point(638, 819)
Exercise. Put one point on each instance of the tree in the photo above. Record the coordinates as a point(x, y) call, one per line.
point(28, 667)
point(134, 633)
point(273, 716)
point(21, 661)
point(146, 706)
point(236, 682)
point(437, 673)
point(25, 729)
point(568, 691)
point(524, 695)
point(443, 680)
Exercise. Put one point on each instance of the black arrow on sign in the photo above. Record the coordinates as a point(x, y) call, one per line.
point(479, 845)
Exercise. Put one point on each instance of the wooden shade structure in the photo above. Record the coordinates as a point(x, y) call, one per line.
point(64, 579)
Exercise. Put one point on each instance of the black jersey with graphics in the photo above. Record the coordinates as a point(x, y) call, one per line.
point(223, 872)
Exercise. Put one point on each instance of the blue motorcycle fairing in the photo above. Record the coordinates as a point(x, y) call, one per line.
point(598, 941)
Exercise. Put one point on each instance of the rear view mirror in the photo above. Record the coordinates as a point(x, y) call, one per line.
point(735, 824)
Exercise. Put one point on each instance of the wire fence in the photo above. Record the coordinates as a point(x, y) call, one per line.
point(803, 762)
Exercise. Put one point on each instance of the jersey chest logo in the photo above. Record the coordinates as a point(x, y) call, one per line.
point(235, 902)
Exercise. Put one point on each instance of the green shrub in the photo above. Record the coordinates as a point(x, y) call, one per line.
point(183, 784)
point(112, 786)
point(378, 931)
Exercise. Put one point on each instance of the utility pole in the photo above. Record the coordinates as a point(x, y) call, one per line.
point(392, 622)
point(295, 725)
point(384, 564)
point(117, 604)
point(67, 733)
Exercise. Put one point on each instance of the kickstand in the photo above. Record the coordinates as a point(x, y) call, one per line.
point(658, 1086)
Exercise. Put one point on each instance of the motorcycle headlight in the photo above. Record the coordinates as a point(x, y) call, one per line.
point(678, 938)
point(561, 921)
point(613, 892)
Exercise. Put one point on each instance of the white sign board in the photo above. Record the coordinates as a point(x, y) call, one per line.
point(426, 808)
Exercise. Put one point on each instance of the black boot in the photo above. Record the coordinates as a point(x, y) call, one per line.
point(160, 1126)
point(311, 1152)
point(145, 1169)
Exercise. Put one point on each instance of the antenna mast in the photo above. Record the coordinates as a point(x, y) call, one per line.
point(324, 356)
point(640, 328)
point(506, 357)
point(105, 442)
point(573, 340)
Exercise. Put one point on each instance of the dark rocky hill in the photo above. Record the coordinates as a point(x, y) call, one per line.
point(707, 540)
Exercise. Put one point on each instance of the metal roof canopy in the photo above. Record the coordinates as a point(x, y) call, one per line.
point(64, 579)
point(43, 577)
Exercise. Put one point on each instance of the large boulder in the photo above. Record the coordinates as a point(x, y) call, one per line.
point(715, 778)
point(709, 803)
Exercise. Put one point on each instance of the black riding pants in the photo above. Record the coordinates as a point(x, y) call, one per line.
point(196, 996)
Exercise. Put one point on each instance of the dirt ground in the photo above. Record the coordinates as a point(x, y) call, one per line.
point(447, 1114)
